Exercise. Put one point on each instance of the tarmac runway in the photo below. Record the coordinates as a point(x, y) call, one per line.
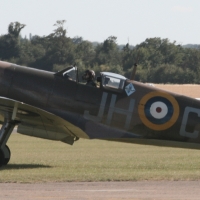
point(140, 190)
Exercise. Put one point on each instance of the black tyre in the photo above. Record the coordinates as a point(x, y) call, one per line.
point(6, 155)
point(2, 158)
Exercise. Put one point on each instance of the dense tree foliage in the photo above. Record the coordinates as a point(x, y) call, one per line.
point(159, 60)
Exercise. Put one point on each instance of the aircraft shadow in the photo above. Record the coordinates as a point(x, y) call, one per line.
point(23, 166)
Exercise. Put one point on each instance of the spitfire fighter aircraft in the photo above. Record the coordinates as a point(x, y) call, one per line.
point(57, 106)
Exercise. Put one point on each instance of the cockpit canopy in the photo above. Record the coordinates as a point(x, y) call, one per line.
point(112, 81)
point(108, 80)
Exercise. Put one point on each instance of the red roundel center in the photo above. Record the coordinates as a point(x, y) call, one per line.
point(158, 109)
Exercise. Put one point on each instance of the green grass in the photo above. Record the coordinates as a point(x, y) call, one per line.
point(38, 160)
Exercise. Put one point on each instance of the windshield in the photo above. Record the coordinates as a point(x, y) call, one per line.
point(70, 74)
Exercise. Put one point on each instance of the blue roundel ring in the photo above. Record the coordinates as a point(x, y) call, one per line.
point(158, 110)
point(168, 110)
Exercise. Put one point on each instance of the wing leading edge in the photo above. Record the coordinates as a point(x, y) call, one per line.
point(36, 122)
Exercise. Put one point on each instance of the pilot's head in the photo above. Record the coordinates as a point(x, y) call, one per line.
point(88, 75)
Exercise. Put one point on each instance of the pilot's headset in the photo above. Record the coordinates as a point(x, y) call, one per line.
point(88, 75)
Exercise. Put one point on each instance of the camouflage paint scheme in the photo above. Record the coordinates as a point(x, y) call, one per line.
point(49, 105)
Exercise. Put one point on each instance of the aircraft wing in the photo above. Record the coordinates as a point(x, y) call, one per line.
point(36, 122)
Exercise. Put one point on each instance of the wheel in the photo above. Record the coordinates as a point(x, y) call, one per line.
point(7, 155)
point(2, 158)
point(4, 155)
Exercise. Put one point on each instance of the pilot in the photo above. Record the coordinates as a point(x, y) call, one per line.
point(89, 76)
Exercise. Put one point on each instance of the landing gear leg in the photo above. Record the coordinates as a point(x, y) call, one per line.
point(5, 132)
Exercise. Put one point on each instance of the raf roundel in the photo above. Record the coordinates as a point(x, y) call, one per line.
point(158, 110)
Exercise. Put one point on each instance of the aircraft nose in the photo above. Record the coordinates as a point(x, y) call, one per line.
point(6, 75)
point(5, 64)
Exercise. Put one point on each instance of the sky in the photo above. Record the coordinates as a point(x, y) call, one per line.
point(131, 21)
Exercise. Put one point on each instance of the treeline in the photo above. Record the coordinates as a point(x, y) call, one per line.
point(159, 60)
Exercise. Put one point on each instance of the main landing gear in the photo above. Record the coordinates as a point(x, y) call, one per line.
point(5, 132)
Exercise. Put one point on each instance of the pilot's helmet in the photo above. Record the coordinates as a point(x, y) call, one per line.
point(88, 75)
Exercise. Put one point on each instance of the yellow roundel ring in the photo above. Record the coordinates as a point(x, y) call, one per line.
point(158, 110)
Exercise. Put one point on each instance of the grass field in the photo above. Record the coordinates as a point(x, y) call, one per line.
point(36, 160)
point(191, 90)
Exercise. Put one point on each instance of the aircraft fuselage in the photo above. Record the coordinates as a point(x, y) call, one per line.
point(147, 113)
